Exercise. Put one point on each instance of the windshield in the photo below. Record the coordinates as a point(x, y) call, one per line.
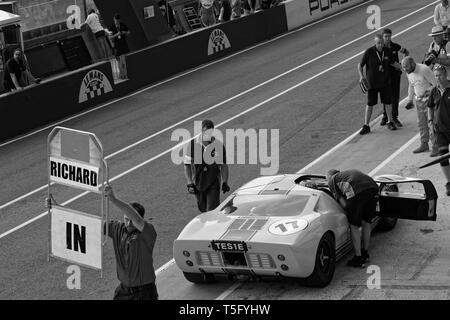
point(265, 205)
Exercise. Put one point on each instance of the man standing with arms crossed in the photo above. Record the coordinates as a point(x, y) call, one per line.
point(377, 60)
point(442, 14)
point(421, 81)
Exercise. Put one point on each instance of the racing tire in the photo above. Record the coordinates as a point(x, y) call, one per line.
point(325, 263)
point(199, 278)
point(386, 224)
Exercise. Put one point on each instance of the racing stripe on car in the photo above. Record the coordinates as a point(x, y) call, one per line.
point(243, 229)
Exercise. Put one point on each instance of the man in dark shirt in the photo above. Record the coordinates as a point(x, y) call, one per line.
point(439, 104)
point(357, 193)
point(377, 61)
point(133, 240)
point(396, 75)
point(120, 32)
point(204, 167)
point(17, 76)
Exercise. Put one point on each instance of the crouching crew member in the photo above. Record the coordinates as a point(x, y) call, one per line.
point(133, 241)
point(357, 193)
point(205, 167)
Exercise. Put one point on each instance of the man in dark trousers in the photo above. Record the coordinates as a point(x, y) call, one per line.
point(133, 240)
point(377, 62)
point(357, 193)
point(396, 74)
point(439, 104)
point(205, 167)
point(119, 33)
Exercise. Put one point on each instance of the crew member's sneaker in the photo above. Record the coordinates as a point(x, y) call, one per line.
point(384, 121)
point(447, 187)
point(391, 126)
point(365, 129)
point(434, 153)
point(365, 255)
point(397, 123)
point(356, 262)
point(422, 148)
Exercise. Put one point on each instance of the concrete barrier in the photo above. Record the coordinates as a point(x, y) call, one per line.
point(302, 12)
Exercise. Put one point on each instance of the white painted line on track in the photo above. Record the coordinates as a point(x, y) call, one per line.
point(186, 73)
point(394, 155)
point(212, 107)
point(343, 142)
point(230, 290)
point(224, 122)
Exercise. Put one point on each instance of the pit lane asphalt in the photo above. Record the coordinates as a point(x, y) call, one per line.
point(311, 119)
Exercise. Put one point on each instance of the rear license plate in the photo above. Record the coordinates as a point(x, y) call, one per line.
point(238, 246)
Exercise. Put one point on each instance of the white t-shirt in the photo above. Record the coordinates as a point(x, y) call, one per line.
point(420, 80)
point(441, 15)
point(93, 22)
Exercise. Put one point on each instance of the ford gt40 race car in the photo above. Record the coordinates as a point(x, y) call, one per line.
point(289, 226)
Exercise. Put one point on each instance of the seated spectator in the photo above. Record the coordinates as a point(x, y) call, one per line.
point(236, 9)
point(207, 12)
point(225, 11)
point(249, 7)
point(17, 74)
point(93, 21)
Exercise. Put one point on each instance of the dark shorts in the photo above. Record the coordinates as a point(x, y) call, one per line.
point(385, 96)
point(145, 292)
point(443, 140)
point(362, 207)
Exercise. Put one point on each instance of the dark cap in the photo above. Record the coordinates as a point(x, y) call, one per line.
point(139, 208)
point(207, 124)
point(387, 31)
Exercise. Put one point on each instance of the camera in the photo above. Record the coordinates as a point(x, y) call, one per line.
point(430, 57)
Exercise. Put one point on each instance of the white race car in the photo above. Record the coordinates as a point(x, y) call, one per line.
point(289, 226)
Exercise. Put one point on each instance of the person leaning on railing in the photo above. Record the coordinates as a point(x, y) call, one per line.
point(17, 74)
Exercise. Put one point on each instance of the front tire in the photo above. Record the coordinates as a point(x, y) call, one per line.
point(325, 263)
point(199, 278)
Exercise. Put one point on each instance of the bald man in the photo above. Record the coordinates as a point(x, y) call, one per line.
point(377, 61)
point(421, 80)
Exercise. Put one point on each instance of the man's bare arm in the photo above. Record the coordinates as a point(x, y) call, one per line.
point(127, 209)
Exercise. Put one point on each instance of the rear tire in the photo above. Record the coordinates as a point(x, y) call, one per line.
point(386, 224)
point(199, 278)
point(325, 263)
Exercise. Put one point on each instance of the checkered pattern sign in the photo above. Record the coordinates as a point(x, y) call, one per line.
point(95, 83)
point(218, 41)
